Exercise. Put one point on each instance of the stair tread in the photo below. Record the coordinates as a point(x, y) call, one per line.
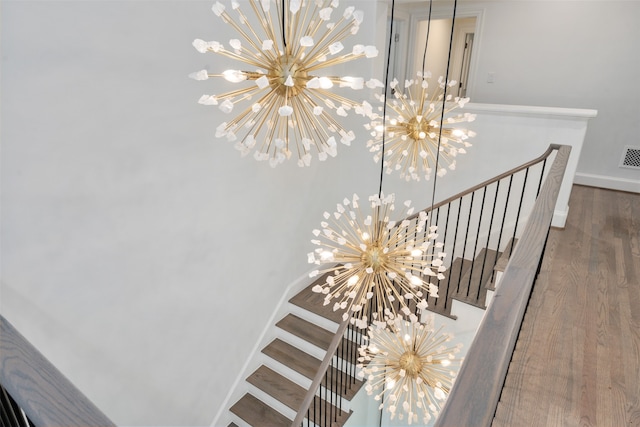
point(307, 365)
point(277, 386)
point(447, 286)
point(308, 331)
point(472, 288)
point(258, 414)
point(289, 393)
point(296, 359)
point(314, 302)
point(503, 260)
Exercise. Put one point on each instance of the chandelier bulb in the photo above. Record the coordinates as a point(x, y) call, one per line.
point(234, 76)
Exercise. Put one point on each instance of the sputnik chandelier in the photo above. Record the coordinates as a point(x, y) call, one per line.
point(408, 367)
point(416, 133)
point(374, 263)
point(288, 100)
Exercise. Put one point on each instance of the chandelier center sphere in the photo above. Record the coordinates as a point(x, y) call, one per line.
point(418, 129)
point(411, 363)
point(374, 257)
point(283, 68)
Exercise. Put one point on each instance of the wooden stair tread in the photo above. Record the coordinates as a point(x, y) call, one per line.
point(503, 260)
point(258, 414)
point(472, 285)
point(290, 393)
point(307, 365)
point(277, 386)
point(447, 286)
point(296, 359)
point(308, 331)
point(313, 302)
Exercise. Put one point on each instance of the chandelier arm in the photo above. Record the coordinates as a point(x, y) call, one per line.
point(233, 55)
point(306, 95)
point(239, 119)
point(334, 96)
point(301, 119)
point(347, 57)
point(267, 53)
point(266, 22)
point(229, 20)
point(234, 93)
point(327, 118)
point(297, 27)
point(317, 51)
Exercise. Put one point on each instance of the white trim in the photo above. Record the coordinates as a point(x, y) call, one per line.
point(527, 110)
point(609, 182)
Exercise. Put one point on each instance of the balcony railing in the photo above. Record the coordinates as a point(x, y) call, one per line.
point(477, 224)
point(35, 393)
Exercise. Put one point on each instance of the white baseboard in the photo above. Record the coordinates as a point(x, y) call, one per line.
point(609, 182)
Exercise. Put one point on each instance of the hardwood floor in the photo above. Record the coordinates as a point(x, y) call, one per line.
point(577, 360)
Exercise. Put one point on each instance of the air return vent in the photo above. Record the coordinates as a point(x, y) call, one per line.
point(630, 158)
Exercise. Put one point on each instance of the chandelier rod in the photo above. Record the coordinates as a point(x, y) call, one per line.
point(386, 88)
point(426, 43)
point(284, 36)
point(444, 102)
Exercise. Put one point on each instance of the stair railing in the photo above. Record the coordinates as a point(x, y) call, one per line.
point(475, 395)
point(476, 224)
point(34, 393)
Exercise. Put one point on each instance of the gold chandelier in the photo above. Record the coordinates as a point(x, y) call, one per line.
point(287, 98)
point(417, 137)
point(374, 263)
point(408, 366)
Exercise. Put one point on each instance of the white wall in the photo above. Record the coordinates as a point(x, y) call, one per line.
point(572, 54)
point(140, 254)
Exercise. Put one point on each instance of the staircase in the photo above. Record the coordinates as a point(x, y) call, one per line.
point(291, 360)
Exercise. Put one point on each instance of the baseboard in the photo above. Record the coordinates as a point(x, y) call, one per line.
point(608, 182)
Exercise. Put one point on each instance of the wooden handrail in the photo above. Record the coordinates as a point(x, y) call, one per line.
point(44, 394)
point(475, 394)
point(490, 181)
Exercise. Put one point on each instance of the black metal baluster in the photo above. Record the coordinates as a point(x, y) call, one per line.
point(444, 248)
point(343, 379)
point(495, 259)
point(475, 244)
point(455, 241)
point(433, 249)
point(324, 402)
point(515, 229)
point(333, 394)
point(544, 165)
point(506, 207)
point(464, 247)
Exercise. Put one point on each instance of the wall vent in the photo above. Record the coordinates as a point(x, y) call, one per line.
point(630, 158)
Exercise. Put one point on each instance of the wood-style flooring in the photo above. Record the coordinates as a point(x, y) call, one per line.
point(577, 360)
